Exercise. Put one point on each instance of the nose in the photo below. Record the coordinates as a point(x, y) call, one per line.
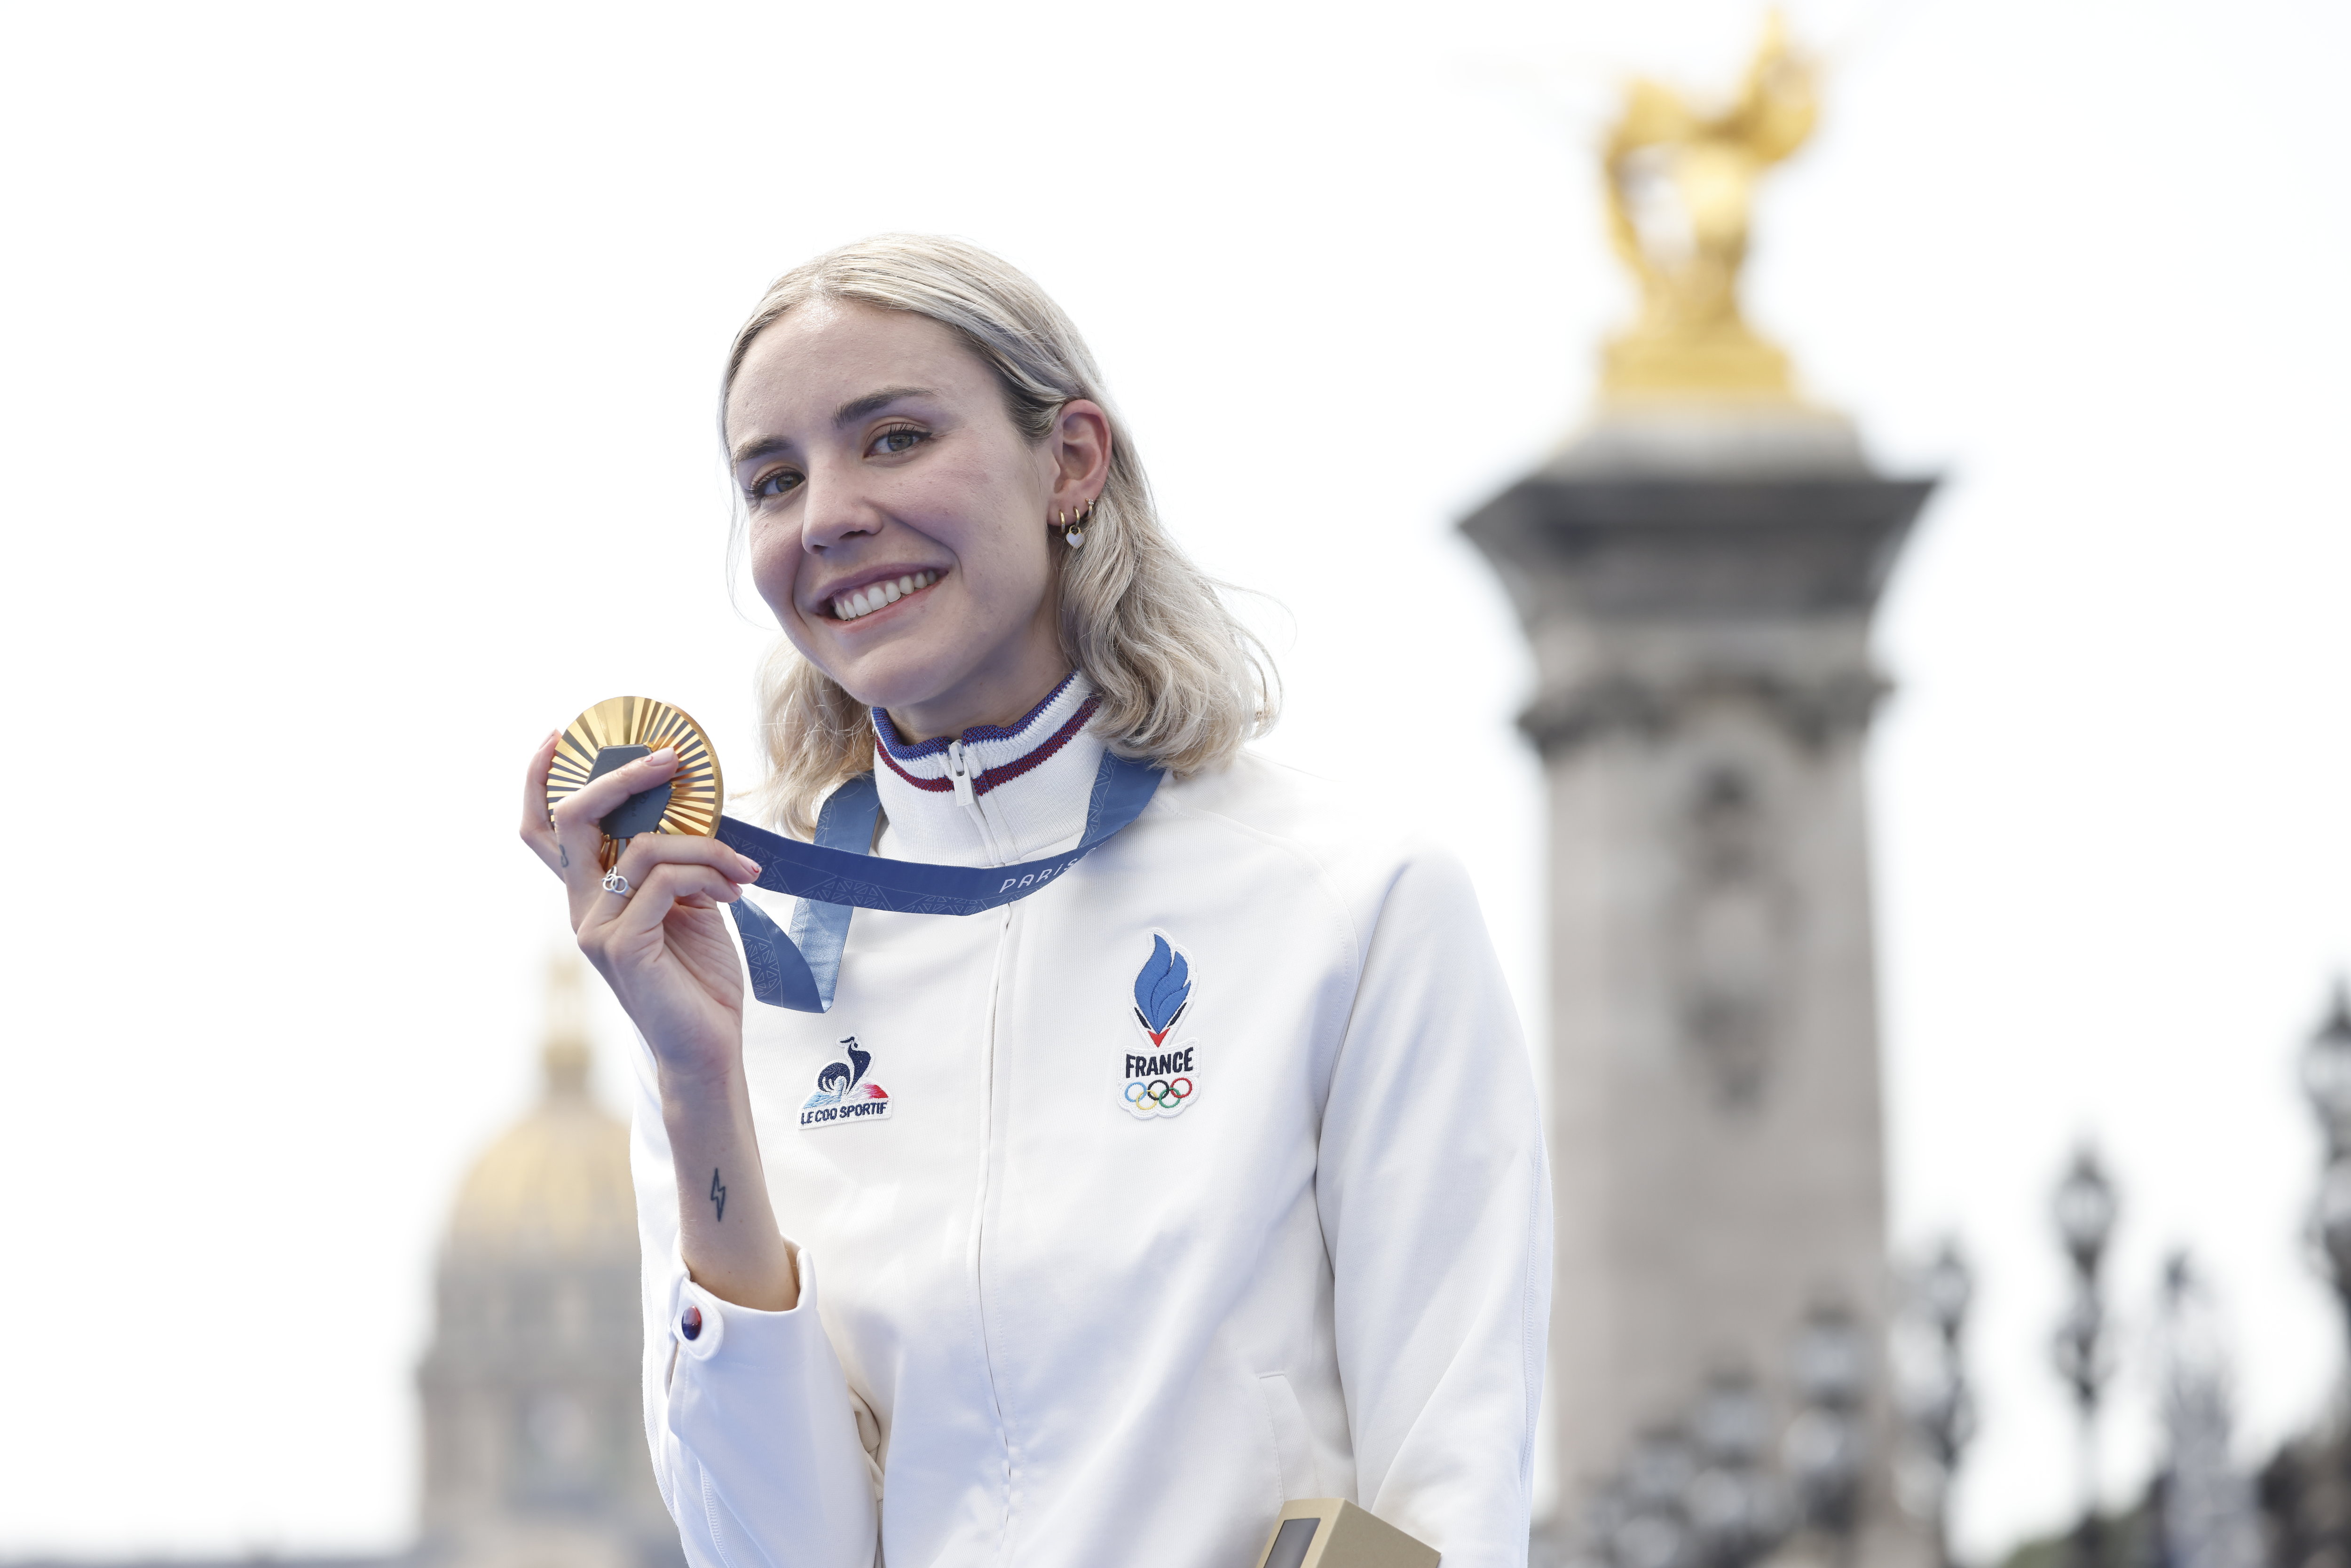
point(836, 509)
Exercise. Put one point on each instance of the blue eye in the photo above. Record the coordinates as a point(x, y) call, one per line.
point(898, 438)
point(768, 486)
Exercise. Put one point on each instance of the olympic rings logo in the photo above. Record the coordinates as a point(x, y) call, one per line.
point(1164, 1093)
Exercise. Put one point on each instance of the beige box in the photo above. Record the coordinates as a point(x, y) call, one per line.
point(1332, 1532)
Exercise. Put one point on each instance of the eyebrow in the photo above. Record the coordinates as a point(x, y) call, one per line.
point(848, 414)
point(857, 408)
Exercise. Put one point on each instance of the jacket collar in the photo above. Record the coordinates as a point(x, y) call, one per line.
point(995, 795)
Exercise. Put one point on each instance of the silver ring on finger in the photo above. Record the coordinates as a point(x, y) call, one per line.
point(614, 882)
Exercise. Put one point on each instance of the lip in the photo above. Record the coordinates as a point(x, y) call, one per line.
point(822, 613)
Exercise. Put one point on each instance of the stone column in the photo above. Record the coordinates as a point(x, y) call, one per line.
point(1698, 586)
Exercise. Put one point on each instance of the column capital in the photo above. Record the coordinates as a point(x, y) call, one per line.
point(1812, 710)
point(1707, 549)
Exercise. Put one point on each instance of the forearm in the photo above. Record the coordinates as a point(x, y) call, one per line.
point(753, 1429)
point(727, 1226)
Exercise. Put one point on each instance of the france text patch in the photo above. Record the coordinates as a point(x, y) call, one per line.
point(1161, 1073)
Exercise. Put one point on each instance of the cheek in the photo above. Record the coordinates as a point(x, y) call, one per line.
point(1007, 554)
point(776, 559)
point(1028, 558)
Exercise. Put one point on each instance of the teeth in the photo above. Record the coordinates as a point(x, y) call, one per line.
point(866, 600)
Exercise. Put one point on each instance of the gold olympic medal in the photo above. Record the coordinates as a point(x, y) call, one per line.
point(615, 733)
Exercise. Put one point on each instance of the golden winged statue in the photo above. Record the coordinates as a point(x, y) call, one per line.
point(1680, 188)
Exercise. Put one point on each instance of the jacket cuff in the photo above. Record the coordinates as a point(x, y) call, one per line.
point(701, 1324)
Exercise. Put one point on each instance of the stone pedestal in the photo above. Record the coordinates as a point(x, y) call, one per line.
point(1698, 587)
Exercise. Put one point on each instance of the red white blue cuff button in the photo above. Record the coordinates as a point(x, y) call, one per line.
point(696, 1322)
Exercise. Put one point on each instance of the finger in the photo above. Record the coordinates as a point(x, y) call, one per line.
point(594, 800)
point(536, 830)
point(580, 841)
point(618, 923)
point(646, 852)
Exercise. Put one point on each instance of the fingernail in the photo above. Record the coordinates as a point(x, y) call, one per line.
point(668, 752)
point(751, 867)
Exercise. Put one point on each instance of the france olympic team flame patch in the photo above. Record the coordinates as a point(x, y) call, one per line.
point(1162, 1074)
point(843, 1093)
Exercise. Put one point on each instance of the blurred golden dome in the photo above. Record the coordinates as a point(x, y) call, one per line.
point(555, 1184)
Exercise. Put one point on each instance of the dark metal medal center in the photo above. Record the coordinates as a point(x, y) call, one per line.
point(640, 813)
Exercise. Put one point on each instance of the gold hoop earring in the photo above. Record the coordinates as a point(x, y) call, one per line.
point(1074, 534)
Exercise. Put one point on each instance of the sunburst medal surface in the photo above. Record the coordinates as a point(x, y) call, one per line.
point(615, 733)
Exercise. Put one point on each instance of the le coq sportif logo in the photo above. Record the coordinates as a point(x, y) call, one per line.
point(844, 1092)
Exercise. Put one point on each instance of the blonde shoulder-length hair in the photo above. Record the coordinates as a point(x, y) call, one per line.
point(1182, 682)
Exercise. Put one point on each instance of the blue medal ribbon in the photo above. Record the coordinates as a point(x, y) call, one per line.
point(839, 873)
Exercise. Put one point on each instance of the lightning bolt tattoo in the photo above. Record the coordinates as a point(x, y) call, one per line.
point(717, 1194)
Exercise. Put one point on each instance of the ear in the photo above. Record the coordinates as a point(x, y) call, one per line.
point(1079, 448)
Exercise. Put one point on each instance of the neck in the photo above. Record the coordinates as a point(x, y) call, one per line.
point(1013, 675)
point(1000, 702)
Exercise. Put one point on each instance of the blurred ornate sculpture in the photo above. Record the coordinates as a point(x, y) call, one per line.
point(1680, 190)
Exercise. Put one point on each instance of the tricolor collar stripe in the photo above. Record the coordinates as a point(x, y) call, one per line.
point(1005, 772)
point(886, 733)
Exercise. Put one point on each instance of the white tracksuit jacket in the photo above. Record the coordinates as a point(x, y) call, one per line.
point(1050, 1322)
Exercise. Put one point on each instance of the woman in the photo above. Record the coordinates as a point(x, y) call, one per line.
point(1089, 1229)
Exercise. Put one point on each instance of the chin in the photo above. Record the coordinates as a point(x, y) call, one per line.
point(896, 677)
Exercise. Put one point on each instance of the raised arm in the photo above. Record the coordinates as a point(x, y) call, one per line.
point(655, 932)
point(751, 1423)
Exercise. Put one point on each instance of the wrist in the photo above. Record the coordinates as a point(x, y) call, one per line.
point(695, 1090)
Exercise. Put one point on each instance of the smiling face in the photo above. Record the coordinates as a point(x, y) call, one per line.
point(899, 518)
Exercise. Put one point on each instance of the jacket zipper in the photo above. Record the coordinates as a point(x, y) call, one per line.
point(959, 774)
point(988, 1141)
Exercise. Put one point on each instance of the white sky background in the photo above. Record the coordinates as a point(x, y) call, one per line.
point(358, 363)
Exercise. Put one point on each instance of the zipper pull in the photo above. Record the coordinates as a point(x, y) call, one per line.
point(959, 772)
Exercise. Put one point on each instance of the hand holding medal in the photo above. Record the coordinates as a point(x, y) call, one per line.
point(622, 805)
point(621, 730)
